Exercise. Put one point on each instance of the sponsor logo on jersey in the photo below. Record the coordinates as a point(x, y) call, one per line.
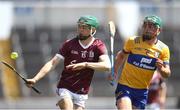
point(74, 52)
point(145, 60)
point(142, 61)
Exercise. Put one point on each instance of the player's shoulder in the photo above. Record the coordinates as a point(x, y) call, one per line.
point(134, 39)
point(69, 41)
point(98, 41)
point(161, 44)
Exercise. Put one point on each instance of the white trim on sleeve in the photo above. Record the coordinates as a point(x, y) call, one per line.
point(60, 56)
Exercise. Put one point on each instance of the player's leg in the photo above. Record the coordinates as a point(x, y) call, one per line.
point(77, 107)
point(123, 101)
point(65, 102)
point(79, 101)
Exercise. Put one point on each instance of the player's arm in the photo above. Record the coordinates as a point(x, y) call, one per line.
point(50, 65)
point(163, 63)
point(163, 69)
point(119, 60)
point(122, 55)
point(102, 65)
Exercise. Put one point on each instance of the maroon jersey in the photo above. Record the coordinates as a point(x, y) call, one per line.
point(73, 52)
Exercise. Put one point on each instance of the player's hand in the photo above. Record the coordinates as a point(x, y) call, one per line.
point(77, 66)
point(30, 82)
point(111, 78)
point(159, 63)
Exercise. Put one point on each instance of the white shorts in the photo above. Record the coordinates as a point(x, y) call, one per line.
point(78, 99)
point(153, 106)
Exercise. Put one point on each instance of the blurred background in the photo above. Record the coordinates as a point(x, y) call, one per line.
point(37, 28)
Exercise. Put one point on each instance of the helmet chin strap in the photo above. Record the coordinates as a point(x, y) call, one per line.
point(92, 33)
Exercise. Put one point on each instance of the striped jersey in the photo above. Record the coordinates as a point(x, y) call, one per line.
point(139, 66)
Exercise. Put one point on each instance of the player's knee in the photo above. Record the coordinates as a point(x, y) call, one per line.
point(65, 104)
point(58, 104)
point(77, 107)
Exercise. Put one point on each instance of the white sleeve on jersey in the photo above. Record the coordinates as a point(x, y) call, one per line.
point(60, 56)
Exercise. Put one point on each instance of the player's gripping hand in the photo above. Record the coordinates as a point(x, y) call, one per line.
point(77, 66)
point(112, 77)
point(30, 82)
point(159, 64)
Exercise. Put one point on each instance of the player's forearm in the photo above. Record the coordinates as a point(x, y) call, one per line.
point(100, 66)
point(50, 65)
point(119, 61)
point(165, 72)
point(44, 70)
point(118, 64)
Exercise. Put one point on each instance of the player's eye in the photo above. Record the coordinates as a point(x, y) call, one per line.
point(150, 25)
point(82, 26)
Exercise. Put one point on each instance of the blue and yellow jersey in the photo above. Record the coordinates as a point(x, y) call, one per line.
point(140, 63)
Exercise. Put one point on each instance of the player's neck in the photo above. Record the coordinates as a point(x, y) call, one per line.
point(87, 41)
